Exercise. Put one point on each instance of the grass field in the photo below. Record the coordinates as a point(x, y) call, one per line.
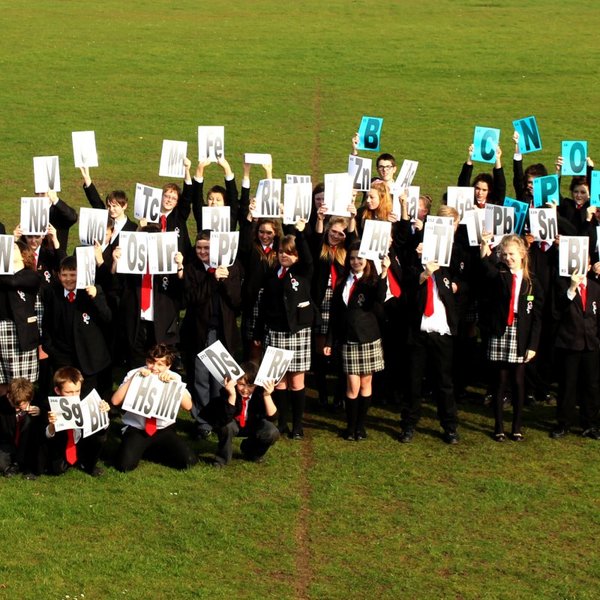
point(323, 518)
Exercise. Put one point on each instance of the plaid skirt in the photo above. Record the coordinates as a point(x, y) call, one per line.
point(250, 319)
point(325, 310)
point(299, 343)
point(362, 359)
point(13, 361)
point(504, 348)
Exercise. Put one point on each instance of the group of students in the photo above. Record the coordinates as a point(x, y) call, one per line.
point(303, 288)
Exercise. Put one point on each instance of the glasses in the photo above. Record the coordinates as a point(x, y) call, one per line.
point(384, 167)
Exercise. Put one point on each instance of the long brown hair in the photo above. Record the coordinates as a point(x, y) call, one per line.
point(271, 257)
point(382, 212)
point(513, 238)
point(334, 253)
point(369, 275)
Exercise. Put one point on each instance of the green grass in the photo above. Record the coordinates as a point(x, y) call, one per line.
point(325, 518)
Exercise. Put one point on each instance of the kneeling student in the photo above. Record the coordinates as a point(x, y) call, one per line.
point(155, 438)
point(245, 410)
point(69, 448)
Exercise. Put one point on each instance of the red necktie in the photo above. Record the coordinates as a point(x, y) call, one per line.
point(210, 270)
point(394, 285)
point(511, 310)
point(71, 449)
point(283, 272)
point(163, 223)
point(429, 301)
point(583, 294)
point(333, 275)
point(150, 427)
point(146, 292)
point(35, 261)
point(242, 417)
point(267, 250)
point(71, 297)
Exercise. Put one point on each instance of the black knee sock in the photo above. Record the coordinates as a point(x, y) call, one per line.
point(364, 402)
point(351, 414)
point(298, 399)
point(280, 398)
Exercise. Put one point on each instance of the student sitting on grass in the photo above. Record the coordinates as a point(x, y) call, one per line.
point(245, 410)
point(21, 431)
point(69, 448)
point(155, 438)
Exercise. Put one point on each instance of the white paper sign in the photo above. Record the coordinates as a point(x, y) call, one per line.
point(499, 220)
point(274, 365)
point(216, 218)
point(543, 224)
point(151, 397)
point(94, 419)
point(438, 238)
point(86, 267)
point(375, 240)
point(211, 142)
point(406, 175)
point(68, 411)
point(171, 159)
point(223, 248)
point(92, 225)
point(338, 194)
point(573, 254)
point(84, 149)
point(147, 202)
point(46, 174)
point(134, 252)
point(268, 199)
point(412, 201)
point(162, 248)
point(475, 222)
point(220, 363)
point(360, 170)
point(253, 158)
point(462, 198)
point(35, 215)
point(297, 202)
point(297, 179)
point(7, 247)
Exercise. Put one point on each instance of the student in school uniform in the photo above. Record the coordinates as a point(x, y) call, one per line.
point(73, 326)
point(150, 306)
point(488, 188)
point(245, 410)
point(435, 294)
point(19, 332)
point(357, 298)
point(285, 317)
point(154, 438)
point(69, 448)
point(578, 355)
point(513, 321)
point(21, 431)
point(212, 298)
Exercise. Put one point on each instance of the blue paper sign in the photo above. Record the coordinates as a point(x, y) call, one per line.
point(545, 189)
point(369, 133)
point(595, 189)
point(574, 158)
point(485, 143)
point(521, 209)
point(529, 135)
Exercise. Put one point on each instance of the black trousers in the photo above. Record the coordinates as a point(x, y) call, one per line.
point(88, 452)
point(578, 384)
point(164, 447)
point(431, 352)
point(258, 440)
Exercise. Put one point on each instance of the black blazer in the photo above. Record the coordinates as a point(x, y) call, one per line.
point(219, 412)
point(76, 329)
point(530, 307)
point(20, 291)
point(357, 321)
point(577, 329)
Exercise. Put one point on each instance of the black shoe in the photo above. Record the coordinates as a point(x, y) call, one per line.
point(96, 472)
point(297, 435)
point(450, 437)
point(30, 476)
point(12, 470)
point(517, 437)
point(360, 434)
point(499, 437)
point(558, 433)
point(591, 433)
point(218, 465)
point(203, 434)
point(349, 436)
point(407, 435)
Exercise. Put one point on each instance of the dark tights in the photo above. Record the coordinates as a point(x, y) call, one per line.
point(509, 375)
